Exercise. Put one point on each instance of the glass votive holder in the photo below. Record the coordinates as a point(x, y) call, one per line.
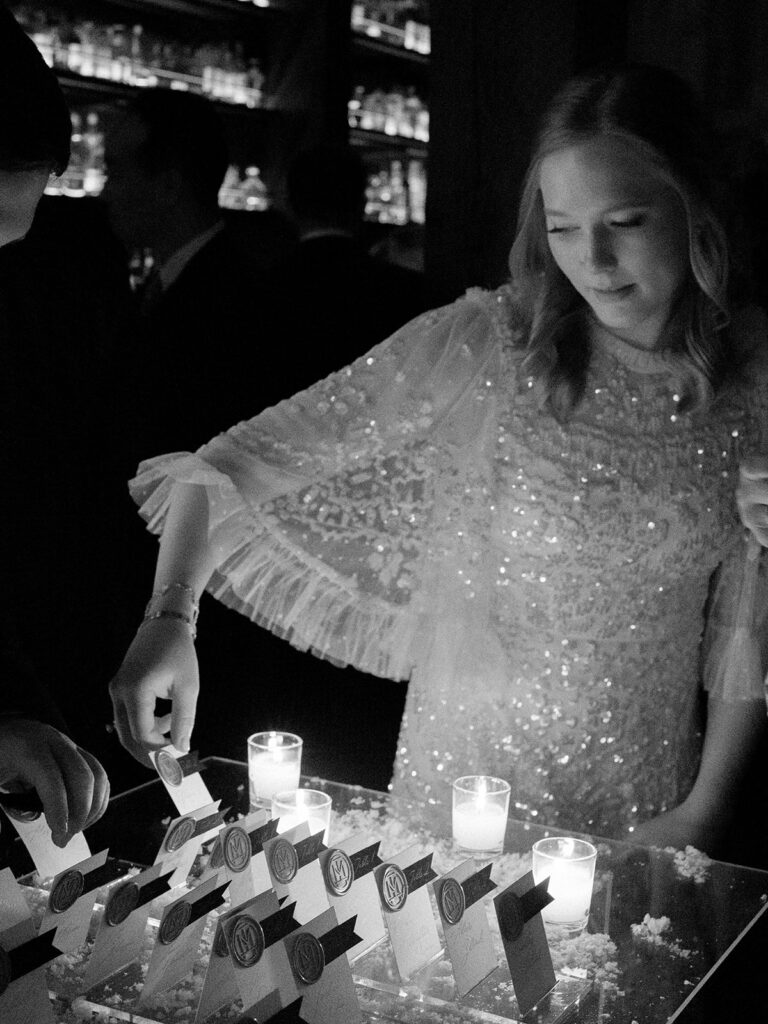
point(274, 764)
point(570, 866)
point(296, 805)
point(480, 808)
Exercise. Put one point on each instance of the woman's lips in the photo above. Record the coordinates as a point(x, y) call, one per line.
point(612, 294)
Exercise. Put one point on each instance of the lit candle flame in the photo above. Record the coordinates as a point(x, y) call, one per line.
point(482, 793)
point(567, 846)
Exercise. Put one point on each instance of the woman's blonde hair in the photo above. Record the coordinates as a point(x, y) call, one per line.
point(653, 111)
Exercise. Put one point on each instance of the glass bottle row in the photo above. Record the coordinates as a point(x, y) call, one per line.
point(393, 112)
point(134, 56)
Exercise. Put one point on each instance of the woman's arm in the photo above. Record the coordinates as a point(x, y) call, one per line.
point(732, 733)
point(161, 661)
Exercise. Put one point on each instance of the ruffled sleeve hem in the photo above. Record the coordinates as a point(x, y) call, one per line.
point(260, 574)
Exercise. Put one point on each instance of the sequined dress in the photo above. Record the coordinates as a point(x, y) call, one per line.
point(421, 515)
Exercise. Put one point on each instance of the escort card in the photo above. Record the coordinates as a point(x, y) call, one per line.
point(518, 910)
point(257, 949)
point(348, 871)
point(120, 935)
point(295, 873)
point(180, 774)
point(183, 839)
point(48, 858)
point(178, 937)
point(460, 899)
point(72, 897)
point(23, 987)
point(403, 890)
point(318, 958)
point(220, 986)
point(238, 855)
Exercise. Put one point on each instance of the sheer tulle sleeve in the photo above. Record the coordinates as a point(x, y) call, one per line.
point(323, 511)
point(736, 638)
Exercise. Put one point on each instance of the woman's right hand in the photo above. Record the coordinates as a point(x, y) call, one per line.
point(160, 663)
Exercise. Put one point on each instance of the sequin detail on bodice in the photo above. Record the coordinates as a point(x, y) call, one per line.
point(605, 533)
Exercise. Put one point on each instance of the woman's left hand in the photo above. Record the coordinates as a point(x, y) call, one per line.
point(752, 496)
point(678, 828)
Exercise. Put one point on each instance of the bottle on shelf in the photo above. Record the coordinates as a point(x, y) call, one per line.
point(73, 178)
point(392, 113)
point(396, 195)
point(254, 190)
point(94, 175)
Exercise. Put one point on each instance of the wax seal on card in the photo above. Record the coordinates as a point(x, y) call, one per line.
point(339, 872)
point(168, 768)
point(180, 834)
point(121, 903)
point(66, 892)
point(307, 958)
point(6, 970)
point(511, 917)
point(246, 941)
point(174, 923)
point(283, 861)
point(393, 886)
point(452, 901)
point(236, 849)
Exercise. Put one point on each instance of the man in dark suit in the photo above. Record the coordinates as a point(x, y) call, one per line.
point(332, 300)
point(35, 752)
point(197, 362)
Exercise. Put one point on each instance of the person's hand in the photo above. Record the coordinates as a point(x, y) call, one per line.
point(160, 663)
point(752, 496)
point(71, 784)
point(678, 828)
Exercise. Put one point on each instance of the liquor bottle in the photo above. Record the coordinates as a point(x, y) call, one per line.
point(253, 190)
point(398, 203)
point(417, 191)
point(72, 180)
point(93, 146)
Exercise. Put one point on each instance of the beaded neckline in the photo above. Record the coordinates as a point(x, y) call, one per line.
point(640, 360)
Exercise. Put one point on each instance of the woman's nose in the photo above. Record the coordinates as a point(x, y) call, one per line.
point(597, 249)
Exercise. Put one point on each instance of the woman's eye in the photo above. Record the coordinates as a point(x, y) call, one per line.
point(631, 222)
point(558, 230)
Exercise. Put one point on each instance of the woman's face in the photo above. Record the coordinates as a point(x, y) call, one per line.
point(619, 234)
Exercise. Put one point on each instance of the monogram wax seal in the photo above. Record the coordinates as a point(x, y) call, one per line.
point(236, 849)
point(174, 923)
point(246, 940)
point(168, 768)
point(339, 872)
point(66, 892)
point(307, 958)
point(511, 917)
point(180, 834)
point(121, 903)
point(452, 901)
point(393, 886)
point(283, 861)
point(6, 970)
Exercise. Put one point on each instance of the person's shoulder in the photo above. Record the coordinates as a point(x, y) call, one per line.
point(749, 339)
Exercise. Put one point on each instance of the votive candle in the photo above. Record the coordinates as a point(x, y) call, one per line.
point(274, 764)
point(570, 866)
point(480, 807)
point(297, 805)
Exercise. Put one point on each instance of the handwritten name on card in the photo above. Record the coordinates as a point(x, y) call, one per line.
point(348, 870)
point(407, 910)
point(295, 873)
point(460, 899)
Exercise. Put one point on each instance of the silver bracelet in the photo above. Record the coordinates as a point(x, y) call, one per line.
point(166, 613)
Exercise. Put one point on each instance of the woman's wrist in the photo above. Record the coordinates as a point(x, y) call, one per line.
point(176, 602)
